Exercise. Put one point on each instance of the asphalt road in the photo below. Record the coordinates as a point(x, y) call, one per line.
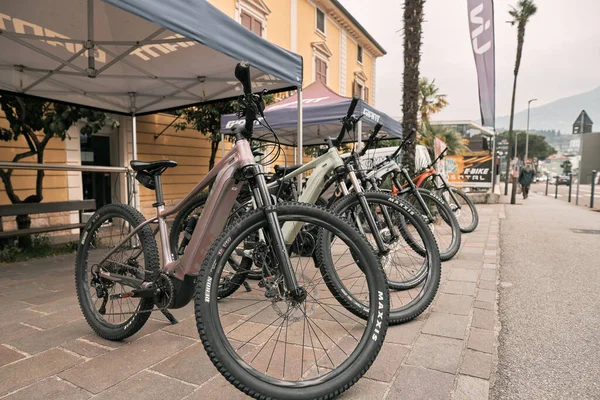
point(549, 302)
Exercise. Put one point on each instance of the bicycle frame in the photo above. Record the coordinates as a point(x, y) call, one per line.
point(226, 182)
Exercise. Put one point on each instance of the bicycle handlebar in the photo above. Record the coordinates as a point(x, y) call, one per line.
point(371, 139)
point(242, 73)
point(403, 143)
point(345, 122)
point(437, 158)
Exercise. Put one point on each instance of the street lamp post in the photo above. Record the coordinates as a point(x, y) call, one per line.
point(527, 132)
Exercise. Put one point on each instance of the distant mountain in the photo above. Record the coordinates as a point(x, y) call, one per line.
point(559, 114)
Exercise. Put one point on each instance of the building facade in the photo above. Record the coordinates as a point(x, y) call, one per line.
point(335, 48)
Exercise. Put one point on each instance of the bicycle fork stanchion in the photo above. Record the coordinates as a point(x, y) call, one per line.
point(593, 187)
point(570, 185)
point(547, 181)
point(556, 191)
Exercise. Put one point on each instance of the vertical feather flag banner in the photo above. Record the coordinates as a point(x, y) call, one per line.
point(481, 27)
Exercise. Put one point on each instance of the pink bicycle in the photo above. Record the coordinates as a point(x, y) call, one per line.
point(290, 336)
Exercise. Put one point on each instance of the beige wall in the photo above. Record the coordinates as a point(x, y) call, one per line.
point(56, 185)
point(189, 148)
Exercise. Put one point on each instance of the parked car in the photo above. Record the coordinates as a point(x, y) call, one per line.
point(562, 180)
point(541, 178)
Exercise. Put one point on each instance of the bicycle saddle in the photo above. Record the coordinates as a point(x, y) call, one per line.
point(153, 167)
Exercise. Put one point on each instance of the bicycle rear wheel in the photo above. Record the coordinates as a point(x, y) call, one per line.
point(110, 317)
point(270, 345)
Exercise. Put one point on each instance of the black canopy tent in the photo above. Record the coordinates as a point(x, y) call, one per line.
point(322, 110)
point(134, 57)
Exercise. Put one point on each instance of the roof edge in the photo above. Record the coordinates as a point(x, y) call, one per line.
point(347, 14)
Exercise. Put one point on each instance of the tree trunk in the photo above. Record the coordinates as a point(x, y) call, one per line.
point(413, 18)
point(511, 134)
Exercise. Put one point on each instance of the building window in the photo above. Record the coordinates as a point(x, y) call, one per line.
point(361, 90)
point(320, 71)
point(251, 23)
point(320, 21)
point(359, 54)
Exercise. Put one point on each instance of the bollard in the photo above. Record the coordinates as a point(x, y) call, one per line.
point(570, 185)
point(556, 191)
point(593, 186)
point(547, 181)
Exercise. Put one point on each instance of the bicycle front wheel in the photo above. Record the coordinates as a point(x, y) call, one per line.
point(464, 210)
point(270, 345)
point(444, 225)
point(414, 277)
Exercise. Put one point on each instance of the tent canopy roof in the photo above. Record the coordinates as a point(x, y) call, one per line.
point(322, 109)
point(131, 56)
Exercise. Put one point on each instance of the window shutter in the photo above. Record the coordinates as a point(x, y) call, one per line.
point(256, 27)
point(366, 97)
point(247, 21)
point(354, 88)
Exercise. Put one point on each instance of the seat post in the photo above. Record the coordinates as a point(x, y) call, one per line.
point(158, 190)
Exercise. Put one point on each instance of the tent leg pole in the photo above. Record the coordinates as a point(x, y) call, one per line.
point(359, 130)
point(136, 194)
point(300, 138)
point(222, 145)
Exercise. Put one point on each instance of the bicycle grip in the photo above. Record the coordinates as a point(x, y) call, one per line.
point(352, 106)
point(242, 73)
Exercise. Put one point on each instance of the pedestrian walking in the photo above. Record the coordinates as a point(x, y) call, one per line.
point(526, 177)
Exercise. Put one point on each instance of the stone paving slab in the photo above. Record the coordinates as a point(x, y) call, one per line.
point(47, 351)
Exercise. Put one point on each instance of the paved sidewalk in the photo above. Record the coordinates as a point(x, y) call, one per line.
point(550, 280)
point(48, 351)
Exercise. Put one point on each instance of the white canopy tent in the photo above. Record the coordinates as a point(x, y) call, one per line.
point(134, 57)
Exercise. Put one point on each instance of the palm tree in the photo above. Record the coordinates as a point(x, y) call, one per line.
point(430, 101)
point(453, 139)
point(520, 16)
point(413, 19)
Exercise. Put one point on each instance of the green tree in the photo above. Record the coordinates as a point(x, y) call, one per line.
point(38, 121)
point(206, 119)
point(453, 139)
point(520, 16)
point(413, 21)
point(538, 147)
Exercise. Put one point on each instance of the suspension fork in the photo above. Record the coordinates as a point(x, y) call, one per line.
point(385, 212)
point(447, 188)
point(413, 189)
point(366, 210)
point(264, 201)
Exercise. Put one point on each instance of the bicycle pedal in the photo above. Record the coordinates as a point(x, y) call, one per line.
point(247, 286)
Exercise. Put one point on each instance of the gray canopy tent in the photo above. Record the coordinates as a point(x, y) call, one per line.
point(322, 110)
point(134, 57)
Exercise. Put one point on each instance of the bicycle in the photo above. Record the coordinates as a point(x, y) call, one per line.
point(433, 209)
point(457, 200)
point(242, 332)
point(374, 214)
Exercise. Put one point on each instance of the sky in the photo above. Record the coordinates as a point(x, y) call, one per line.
point(561, 56)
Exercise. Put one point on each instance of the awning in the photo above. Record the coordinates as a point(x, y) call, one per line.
point(322, 110)
point(132, 56)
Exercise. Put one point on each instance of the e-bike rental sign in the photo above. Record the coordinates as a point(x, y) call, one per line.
point(470, 171)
